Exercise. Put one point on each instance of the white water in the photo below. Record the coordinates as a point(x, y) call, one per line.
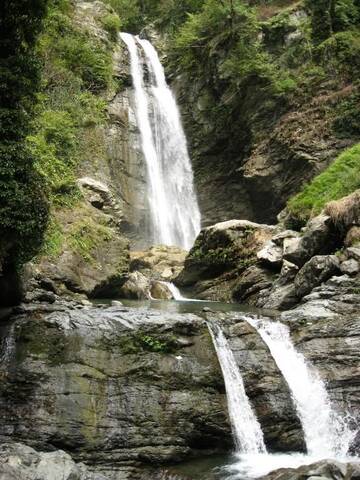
point(175, 214)
point(175, 292)
point(246, 429)
point(326, 432)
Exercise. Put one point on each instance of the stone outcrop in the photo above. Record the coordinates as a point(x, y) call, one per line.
point(160, 262)
point(325, 470)
point(269, 266)
point(19, 462)
point(221, 252)
point(114, 387)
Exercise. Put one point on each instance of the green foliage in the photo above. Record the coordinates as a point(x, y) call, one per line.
point(162, 344)
point(53, 241)
point(130, 14)
point(340, 54)
point(329, 16)
point(86, 235)
point(347, 120)
point(337, 181)
point(112, 24)
point(23, 205)
point(73, 76)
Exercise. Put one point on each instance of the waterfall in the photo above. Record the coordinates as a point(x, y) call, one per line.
point(174, 210)
point(326, 432)
point(246, 429)
point(175, 292)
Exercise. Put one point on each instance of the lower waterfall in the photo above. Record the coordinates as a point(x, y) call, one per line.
point(326, 432)
point(246, 429)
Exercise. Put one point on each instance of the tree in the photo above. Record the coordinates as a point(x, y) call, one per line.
point(23, 205)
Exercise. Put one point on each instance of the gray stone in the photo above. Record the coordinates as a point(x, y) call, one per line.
point(353, 252)
point(315, 240)
point(316, 271)
point(288, 273)
point(136, 287)
point(20, 462)
point(271, 254)
point(281, 298)
point(350, 267)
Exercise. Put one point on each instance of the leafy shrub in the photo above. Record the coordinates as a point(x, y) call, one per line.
point(23, 205)
point(341, 53)
point(112, 25)
point(337, 181)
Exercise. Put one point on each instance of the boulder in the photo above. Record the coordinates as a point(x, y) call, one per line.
point(350, 267)
point(324, 470)
point(251, 282)
point(136, 287)
point(353, 252)
point(271, 254)
point(20, 462)
point(160, 291)
point(223, 247)
point(352, 237)
point(316, 271)
point(288, 273)
point(280, 298)
point(316, 239)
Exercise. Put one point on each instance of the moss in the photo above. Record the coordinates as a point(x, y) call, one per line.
point(86, 235)
point(54, 346)
point(337, 181)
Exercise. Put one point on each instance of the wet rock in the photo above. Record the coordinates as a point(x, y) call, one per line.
point(20, 462)
point(137, 287)
point(160, 291)
point(316, 271)
point(325, 470)
point(114, 387)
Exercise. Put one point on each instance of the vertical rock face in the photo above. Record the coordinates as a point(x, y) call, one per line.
point(113, 386)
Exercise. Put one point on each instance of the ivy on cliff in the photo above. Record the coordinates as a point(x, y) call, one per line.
point(23, 205)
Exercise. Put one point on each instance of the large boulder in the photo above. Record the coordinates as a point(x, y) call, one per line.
point(224, 247)
point(136, 287)
point(20, 462)
point(88, 254)
point(316, 271)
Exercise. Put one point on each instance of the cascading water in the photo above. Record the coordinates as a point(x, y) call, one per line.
point(246, 429)
point(326, 432)
point(174, 209)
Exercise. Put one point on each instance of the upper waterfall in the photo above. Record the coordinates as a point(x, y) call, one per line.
point(246, 429)
point(175, 215)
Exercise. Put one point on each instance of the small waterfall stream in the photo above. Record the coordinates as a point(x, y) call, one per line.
point(326, 432)
point(246, 429)
point(174, 210)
